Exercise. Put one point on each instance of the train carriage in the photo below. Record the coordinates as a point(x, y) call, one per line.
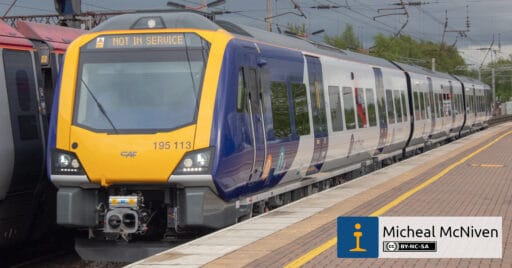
point(28, 69)
point(477, 103)
point(168, 122)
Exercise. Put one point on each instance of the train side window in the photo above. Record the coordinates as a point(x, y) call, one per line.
point(280, 110)
point(404, 107)
point(472, 103)
point(431, 105)
point(436, 105)
point(398, 106)
point(300, 102)
point(417, 111)
point(23, 90)
point(425, 106)
point(456, 103)
point(335, 104)
point(476, 103)
point(461, 104)
point(362, 121)
point(372, 112)
point(389, 105)
point(348, 104)
point(240, 102)
point(441, 105)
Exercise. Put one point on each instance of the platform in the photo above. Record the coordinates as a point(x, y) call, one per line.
point(468, 177)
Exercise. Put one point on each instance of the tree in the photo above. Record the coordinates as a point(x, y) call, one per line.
point(405, 49)
point(346, 40)
point(503, 82)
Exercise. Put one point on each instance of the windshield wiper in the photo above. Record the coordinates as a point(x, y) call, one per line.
point(100, 107)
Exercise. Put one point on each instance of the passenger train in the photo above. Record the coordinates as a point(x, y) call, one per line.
point(168, 122)
point(30, 57)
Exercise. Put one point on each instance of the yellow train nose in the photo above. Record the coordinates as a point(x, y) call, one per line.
point(129, 158)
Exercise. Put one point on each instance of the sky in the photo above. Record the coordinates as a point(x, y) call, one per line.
point(487, 18)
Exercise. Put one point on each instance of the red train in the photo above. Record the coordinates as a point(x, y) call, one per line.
point(30, 60)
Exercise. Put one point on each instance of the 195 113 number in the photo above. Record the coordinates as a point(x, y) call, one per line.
point(167, 145)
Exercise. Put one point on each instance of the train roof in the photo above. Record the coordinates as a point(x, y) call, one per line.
point(472, 81)
point(422, 70)
point(58, 37)
point(186, 19)
point(162, 20)
point(301, 44)
point(11, 37)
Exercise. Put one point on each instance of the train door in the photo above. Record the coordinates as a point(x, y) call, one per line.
point(253, 95)
point(318, 112)
point(25, 120)
point(381, 103)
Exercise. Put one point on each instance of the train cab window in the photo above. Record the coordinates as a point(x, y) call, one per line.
point(372, 112)
point(21, 89)
point(280, 110)
point(140, 90)
point(335, 104)
point(398, 106)
point(240, 102)
point(389, 105)
point(301, 112)
point(348, 104)
point(362, 121)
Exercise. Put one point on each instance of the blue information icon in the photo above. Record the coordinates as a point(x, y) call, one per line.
point(358, 237)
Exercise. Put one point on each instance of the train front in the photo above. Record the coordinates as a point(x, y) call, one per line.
point(130, 144)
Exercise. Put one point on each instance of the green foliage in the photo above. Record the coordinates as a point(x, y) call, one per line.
point(503, 70)
point(297, 29)
point(405, 49)
point(346, 40)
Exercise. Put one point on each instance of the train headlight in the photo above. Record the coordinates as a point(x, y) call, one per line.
point(196, 162)
point(64, 160)
point(66, 163)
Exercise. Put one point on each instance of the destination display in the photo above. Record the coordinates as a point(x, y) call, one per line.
point(160, 40)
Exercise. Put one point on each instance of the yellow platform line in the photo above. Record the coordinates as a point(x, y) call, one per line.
point(488, 165)
point(332, 242)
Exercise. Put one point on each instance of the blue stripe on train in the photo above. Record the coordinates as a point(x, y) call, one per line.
point(52, 134)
